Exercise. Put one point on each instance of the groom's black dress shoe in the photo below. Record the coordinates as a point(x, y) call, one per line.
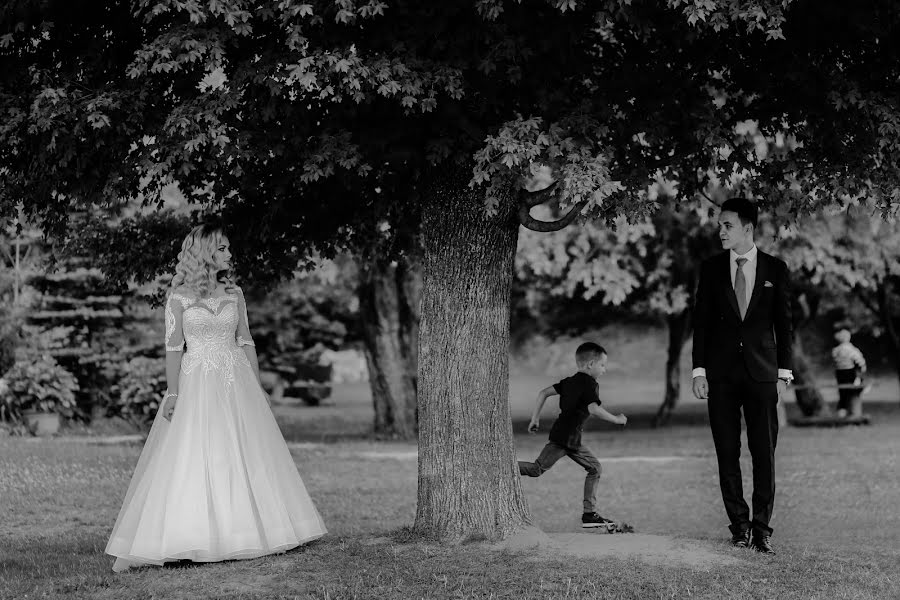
point(761, 543)
point(741, 539)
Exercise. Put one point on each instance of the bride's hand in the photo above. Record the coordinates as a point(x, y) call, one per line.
point(168, 406)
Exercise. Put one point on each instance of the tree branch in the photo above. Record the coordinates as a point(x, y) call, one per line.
point(866, 301)
point(532, 199)
point(533, 224)
point(884, 304)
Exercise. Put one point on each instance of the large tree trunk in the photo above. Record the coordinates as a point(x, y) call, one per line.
point(410, 287)
point(679, 326)
point(389, 295)
point(809, 398)
point(804, 307)
point(887, 321)
point(468, 477)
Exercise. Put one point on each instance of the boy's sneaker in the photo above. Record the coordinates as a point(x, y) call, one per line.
point(592, 519)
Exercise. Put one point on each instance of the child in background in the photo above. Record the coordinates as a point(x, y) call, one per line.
point(849, 365)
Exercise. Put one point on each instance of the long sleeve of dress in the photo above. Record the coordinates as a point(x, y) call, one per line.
point(242, 334)
point(174, 331)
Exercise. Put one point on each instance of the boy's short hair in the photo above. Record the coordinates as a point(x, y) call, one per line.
point(842, 335)
point(746, 210)
point(588, 351)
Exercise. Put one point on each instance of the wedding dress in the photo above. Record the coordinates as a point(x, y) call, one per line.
point(216, 482)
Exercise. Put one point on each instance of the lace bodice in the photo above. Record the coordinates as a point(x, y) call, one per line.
point(213, 329)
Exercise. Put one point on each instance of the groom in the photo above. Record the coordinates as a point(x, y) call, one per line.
point(743, 342)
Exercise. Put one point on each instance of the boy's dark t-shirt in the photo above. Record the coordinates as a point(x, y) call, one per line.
point(576, 393)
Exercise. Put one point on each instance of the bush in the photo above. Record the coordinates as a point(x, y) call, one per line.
point(297, 321)
point(37, 385)
point(139, 389)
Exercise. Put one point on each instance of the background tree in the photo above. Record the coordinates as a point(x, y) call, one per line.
point(253, 109)
point(20, 258)
point(74, 318)
point(387, 245)
point(856, 253)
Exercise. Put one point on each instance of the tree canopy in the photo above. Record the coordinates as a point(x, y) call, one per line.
point(256, 109)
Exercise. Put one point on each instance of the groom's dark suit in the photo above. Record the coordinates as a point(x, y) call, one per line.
point(742, 359)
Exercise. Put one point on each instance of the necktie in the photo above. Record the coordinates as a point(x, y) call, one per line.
point(740, 286)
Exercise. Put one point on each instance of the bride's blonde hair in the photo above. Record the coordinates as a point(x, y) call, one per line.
point(196, 270)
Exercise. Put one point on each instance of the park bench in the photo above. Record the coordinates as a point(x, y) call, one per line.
point(830, 418)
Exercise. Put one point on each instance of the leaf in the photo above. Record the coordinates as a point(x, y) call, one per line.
point(243, 29)
point(98, 120)
point(343, 65)
point(344, 16)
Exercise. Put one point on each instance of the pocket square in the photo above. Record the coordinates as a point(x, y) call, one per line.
point(767, 284)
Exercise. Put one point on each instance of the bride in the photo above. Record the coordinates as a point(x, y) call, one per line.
point(215, 480)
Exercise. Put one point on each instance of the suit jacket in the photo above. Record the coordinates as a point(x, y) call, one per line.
point(763, 341)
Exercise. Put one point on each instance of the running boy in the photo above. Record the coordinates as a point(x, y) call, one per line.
point(578, 399)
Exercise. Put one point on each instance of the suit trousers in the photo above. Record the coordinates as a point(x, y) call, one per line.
point(728, 397)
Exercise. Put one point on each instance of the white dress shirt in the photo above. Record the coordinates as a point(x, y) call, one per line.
point(749, 269)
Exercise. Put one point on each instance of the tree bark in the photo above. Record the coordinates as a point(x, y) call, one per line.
point(809, 399)
point(468, 477)
point(410, 287)
point(679, 326)
point(887, 320)
point(389, 295)
point(804, 307)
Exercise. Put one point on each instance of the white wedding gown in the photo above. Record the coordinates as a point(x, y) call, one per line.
point(217, 482)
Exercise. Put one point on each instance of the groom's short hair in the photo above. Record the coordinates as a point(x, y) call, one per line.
point(588, 351)
point(746, 210)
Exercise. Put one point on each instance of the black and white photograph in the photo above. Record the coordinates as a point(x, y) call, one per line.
point(475, 299)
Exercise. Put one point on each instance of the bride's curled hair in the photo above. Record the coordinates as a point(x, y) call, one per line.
point(196, 269)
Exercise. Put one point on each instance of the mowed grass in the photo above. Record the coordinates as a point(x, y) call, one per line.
point(836, 518)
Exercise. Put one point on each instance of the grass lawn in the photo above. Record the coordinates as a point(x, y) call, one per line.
point(836, 517)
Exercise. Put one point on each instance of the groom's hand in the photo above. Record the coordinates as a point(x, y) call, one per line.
point(533, 426)
point(701, 388)
point(782, 388)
